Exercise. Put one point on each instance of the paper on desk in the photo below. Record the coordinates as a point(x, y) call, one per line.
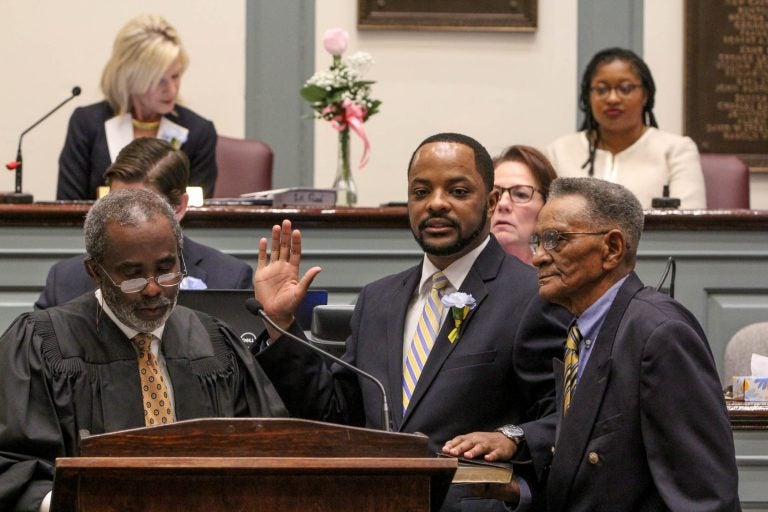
point(759, 365)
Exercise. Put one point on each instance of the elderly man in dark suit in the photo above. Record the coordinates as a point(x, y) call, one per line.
point(642, 420)
point(155, 165)
point(492, 368)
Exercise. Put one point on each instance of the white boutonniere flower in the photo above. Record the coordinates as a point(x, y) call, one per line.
point(173, 136)
point(461, 304)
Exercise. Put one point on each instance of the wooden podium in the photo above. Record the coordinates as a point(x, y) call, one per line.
point(244, 464)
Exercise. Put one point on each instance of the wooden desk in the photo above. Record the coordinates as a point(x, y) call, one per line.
point(748, 415)
point(71, 214)
point(749, 421)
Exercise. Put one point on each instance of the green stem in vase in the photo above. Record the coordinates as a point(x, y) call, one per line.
point(346, 170)
point(344, 184)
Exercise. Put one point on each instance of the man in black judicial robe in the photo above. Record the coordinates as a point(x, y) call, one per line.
point(74, 367)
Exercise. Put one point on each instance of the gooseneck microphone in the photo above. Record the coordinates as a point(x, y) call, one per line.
point(17, 196)
point(257, 309)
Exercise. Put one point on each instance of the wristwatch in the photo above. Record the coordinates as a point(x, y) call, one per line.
point(513, 432)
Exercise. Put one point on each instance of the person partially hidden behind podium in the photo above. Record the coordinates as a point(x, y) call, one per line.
point(81, 366)
point(141, 85)
point(155, 165)
point(642, 423)
point(494, 370)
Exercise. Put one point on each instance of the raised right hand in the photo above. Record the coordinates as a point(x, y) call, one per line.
point(276, 280)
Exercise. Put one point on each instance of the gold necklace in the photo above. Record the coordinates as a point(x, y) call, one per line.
point(145, 125)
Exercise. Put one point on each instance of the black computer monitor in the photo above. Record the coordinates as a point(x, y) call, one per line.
point(229, 306)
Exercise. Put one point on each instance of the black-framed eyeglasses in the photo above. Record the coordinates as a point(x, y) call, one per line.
point(551, 238)
point(624, 90)
point(138, 284)
point(519, 194)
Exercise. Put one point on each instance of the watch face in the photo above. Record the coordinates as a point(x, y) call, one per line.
point(512, 431)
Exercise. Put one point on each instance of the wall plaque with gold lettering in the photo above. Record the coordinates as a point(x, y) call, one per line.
point(726, 77)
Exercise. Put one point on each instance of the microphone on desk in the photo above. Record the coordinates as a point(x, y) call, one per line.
point(665, 201)
point(257, 309)
point(16, 165)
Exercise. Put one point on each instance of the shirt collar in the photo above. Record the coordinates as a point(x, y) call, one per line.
point(591, 320)
point(456, 272)
point(130, 332)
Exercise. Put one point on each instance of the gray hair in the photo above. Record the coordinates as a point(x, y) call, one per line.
point(609, 206)
point(127, 207)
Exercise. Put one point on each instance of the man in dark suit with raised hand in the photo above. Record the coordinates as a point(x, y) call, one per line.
point(493, 370)
point(642, 420)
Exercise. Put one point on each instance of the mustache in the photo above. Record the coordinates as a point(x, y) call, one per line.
point(155, 302)
point(423, 224)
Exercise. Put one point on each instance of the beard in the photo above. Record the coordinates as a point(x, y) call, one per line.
point(126, 311)
point(462, 241)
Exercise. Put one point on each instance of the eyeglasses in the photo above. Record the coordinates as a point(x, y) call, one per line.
point(551, 238)
point(602, 91)
point(519, 194)
point(138, 284)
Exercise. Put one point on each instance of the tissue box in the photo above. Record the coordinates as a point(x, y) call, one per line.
point(750, 389)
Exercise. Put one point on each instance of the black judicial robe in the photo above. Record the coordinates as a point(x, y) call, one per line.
point(70, 368)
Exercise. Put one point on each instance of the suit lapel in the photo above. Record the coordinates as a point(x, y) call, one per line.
point(401, 299)
point(558, 369)
point(485, 268)
point(575, 428)
point(192, 259)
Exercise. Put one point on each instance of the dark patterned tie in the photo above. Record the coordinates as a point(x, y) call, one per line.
point(154, 392)
point(571, 363)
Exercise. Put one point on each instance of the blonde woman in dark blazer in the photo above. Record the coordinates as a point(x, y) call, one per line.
point(141, 83)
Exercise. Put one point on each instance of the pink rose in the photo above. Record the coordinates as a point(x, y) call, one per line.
point(335, 40)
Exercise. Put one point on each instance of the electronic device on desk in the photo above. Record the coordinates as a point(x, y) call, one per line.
point(237, 201)
point(297, 197)
point(665, 201)
point(229, 306)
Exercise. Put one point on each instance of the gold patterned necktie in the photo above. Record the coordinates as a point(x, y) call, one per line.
point(571, 364)
point(424, 337)
point(154, 392)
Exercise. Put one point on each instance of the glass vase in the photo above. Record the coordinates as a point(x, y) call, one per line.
point(346, 190)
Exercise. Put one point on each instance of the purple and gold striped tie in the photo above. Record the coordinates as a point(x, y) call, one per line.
point(571, 364)
point(423, 338)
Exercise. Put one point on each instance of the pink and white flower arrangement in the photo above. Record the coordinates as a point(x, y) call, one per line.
point(339, 95)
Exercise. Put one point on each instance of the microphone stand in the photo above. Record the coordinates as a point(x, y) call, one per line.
point(386, 419)
point(665, 201)
point(17, 196)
